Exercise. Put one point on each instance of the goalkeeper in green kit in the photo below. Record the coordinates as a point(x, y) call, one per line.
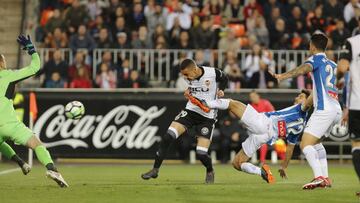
point(10, 127)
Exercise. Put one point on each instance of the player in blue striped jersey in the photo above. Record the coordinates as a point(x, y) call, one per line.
point(263, 128)
point(327, 110)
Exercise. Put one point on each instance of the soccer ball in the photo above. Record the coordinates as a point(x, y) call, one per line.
point(74, 110)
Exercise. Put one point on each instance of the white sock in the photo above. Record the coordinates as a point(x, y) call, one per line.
point(250, 168)
point(313, 160)
point(221, 104)
point(322, 158)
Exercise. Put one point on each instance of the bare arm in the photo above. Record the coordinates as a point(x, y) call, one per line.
point(288, 155)
point(342, 68)
point(300, 70)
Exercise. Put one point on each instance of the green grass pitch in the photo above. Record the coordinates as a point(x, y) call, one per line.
point(176, 183)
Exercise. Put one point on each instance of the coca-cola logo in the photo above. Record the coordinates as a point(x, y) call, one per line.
point(108, 130)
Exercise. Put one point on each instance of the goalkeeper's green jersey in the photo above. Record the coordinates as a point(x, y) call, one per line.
point(8, 79)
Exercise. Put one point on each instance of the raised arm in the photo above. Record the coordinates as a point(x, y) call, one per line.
point(300, 70)
point(23, 73)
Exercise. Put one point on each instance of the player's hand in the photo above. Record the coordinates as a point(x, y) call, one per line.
point(220, 93)
point(340, 83)
point(187, 94)
point(282, 173)
point(26, 43)
point(276, 76)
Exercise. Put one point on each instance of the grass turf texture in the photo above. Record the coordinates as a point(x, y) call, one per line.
point(176, 183)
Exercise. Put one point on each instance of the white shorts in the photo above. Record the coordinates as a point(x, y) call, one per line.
point(254, 142)
point(321, 122)
point(256, 123)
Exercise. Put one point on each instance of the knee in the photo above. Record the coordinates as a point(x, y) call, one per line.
point(34, 142)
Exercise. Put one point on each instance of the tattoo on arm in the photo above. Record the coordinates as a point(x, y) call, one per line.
point(300, 70)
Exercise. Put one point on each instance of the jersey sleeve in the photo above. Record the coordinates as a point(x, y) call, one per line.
point(23, 73)
point(346, 52)
point(310, 61)
point(221, 78)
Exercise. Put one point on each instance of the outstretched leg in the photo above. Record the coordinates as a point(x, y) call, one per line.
point(44, 157)
point(10, 154)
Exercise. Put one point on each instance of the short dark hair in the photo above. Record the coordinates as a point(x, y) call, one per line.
point(306, 92)
point(186, 63)
point(319, 40)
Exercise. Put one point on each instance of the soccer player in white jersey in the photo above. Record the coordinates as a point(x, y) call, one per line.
point(204, 83)
point(327, 110)
point(349, 61)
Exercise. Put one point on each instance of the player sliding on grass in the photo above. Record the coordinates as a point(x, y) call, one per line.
point(10, 127)
point(204, 83)
point(10, 154)
point(265, 128)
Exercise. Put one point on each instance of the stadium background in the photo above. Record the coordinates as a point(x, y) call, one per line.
point(126, 53)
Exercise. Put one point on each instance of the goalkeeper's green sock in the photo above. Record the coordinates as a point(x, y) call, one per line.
point(44, 157)
point(10, 154)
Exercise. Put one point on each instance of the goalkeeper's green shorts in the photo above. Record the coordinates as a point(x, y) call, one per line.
point(16, 132)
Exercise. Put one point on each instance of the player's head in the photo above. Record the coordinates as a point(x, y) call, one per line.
point(318, 43)
point(2, 62)
point(189, 69)
point(302, 96)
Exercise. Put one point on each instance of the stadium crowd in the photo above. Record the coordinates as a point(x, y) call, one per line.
point(229, 25)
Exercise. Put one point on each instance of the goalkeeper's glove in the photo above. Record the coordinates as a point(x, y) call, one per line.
point(26, 43)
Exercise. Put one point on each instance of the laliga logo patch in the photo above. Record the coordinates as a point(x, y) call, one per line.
point(207, 83)
point(204, 131)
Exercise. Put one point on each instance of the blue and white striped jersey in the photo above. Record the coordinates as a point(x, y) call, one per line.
point(289, 122)
point(323, 77)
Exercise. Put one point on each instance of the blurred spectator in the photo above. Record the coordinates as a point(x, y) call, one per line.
point(79, 62)
point(279, 39)
point(96, 25)
point(175, 69)
point(122, 41)
point(155, 15)
point(269, 5)
point(236, 78)
point(144, 39)
point(212, 7)
point(120, 26)
point(356, 30)
point(184, 41)
point(55, 81)
point(252, 61)
point(317, 22)
point(270, 22)
point(55, 21)
point(81, 79)
point(94, 8)
point(256, 26)
point(332, 10)
point(76, 15)
point(106, 79)
point(200, 58)
point(123, 74)
point(340, 34)
point(203, 36)
point(174, 32)
point(232, 134)
point(104, 40)
point(251, 7)
point(261, 106)
point(82, 40)
point(160, 31)
point(262, 79)
point(57, 40)
point(296, 16)
point(234, 11)
point(134, 81)
point(136, 18)
point(229, 42)
point(107, 59)
point(349, 10)
point(353, 21)
point(56, 64)
point(179, 15)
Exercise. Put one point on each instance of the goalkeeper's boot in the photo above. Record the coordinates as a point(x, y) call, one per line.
point(25, 168)
point(56, 176)
point(201, 104)
point(210, 177)
point(153, 173)
point(266, 174)
point(316, 182)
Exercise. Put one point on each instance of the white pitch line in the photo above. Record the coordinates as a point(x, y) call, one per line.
point(9, 171)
